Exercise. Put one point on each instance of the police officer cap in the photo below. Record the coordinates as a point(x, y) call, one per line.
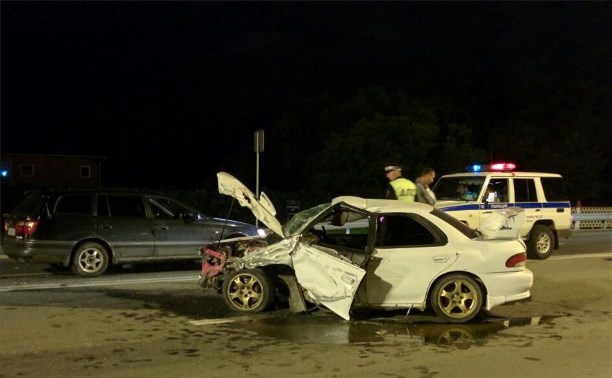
point(393, 167)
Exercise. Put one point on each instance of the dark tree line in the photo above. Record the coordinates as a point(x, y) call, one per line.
point(338, 145)
point(329, 148)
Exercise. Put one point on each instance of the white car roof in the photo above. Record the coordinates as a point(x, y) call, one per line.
point(375, 205)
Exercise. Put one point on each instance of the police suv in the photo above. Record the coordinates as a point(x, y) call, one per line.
point(472, 196)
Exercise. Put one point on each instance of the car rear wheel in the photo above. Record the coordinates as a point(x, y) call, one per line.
point(541, 242)
point(248, 290)
point(90, 260)
point(456, 298)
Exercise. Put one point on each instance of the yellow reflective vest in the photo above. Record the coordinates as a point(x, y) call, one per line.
point(405, 190)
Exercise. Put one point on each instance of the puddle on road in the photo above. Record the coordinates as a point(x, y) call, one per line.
point(330, 330)
point(326, 328)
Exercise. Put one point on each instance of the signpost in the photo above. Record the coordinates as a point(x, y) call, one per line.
point(259, 147)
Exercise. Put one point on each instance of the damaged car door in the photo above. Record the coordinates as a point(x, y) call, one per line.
point(327, 260)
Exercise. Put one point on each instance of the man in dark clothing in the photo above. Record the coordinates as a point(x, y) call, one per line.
point(424, 193)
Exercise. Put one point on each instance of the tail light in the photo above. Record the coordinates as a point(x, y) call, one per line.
point(5, 226)
point(26, 228)
point(520, 259)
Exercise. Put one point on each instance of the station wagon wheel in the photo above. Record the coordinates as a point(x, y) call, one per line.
point(541, 242)
point(90, 260)
point(456, 298)
point(248, 290)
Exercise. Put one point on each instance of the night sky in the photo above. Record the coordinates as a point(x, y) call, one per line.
point(171, 92)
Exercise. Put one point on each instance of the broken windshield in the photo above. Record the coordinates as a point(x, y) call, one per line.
point(299, 220)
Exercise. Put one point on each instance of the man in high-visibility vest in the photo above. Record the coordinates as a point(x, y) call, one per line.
point(400, 188)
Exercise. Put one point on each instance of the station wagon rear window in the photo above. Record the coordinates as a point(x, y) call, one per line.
point(74, 204)
point(30, 206)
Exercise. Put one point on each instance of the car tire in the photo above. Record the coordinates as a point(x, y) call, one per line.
point(456, 298)
point(248, 290)
point(90, 260)
point(541, 242)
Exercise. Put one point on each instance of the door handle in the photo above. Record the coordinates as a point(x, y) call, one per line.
point(105, 226)
point(163, 227)
point(487, 212)
point(440, 259)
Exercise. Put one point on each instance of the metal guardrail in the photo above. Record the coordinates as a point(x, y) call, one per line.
point(592, 218)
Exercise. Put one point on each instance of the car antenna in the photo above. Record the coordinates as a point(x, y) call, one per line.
point(225, 224)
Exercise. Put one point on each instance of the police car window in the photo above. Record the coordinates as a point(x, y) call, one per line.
point(497, 190)
point(458, 188)
point(524, 190)
point(74, 204)
point(554, 190)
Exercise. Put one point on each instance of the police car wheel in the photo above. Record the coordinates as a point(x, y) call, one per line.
point(541, 242)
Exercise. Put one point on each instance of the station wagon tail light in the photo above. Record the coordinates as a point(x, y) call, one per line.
point(26, 228)
point(520, 259)
point(498, 167)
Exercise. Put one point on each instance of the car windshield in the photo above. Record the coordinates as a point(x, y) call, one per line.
point(299, 220)
point(464, 188)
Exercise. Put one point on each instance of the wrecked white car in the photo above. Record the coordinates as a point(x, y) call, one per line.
point(369, 253)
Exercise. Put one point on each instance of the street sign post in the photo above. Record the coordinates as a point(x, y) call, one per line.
point(259, 147)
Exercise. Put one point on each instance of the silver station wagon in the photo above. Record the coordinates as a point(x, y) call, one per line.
point(90, 230)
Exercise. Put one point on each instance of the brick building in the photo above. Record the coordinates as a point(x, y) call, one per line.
point(21, 172)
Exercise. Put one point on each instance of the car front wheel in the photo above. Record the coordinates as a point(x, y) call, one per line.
point(248, 290)
point(90, 260)
point(456, 298)
point(541, 242)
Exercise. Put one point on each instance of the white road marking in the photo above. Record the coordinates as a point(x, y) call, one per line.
point(79, 284)
point(204, 322)
point(584, 256)
point(28, 275)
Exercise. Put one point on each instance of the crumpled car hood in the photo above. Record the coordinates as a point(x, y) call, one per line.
point(327, 277)
point(263, 209)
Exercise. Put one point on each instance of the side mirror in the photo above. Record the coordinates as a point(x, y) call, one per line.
point(191, 217)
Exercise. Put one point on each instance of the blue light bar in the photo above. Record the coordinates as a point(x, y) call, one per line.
point(474, 168)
